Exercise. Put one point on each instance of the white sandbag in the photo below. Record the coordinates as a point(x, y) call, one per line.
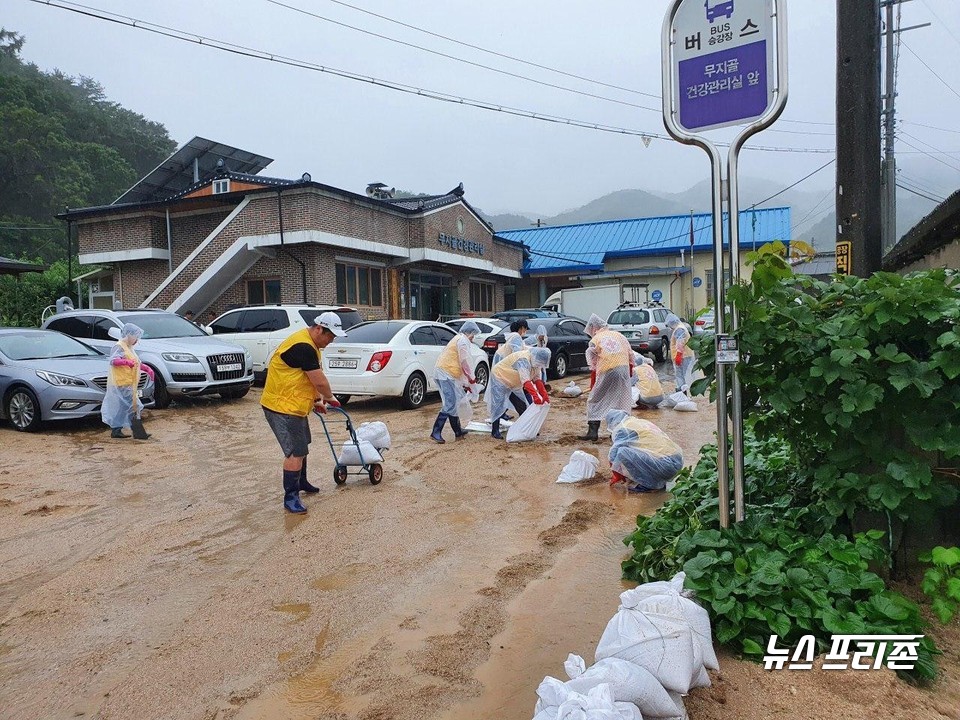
point(582, 466)
point(475, 390)
point(376, 433)
point(635, 394)
point(527, 426)
point(671, 400)
point(662, 644)
point(664, 599)
point(351, 455)
point(550, 695)
point(686, 406)
point(596, 704)
point(628, 683)
point(572, 390)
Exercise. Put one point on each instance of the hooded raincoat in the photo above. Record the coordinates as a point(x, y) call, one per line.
point(644, 454)
point(509, 376)
point(683, 355)
point(121, 401)
point(454, 369)
point(648, 382)
point(610, 358)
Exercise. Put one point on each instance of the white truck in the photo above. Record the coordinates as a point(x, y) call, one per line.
point(599, 299)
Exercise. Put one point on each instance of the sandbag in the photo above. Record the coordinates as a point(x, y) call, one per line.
point(351, 455)
point(662, 644)
point(572, 390)
point(527, 426)
point(628, 683)
point(635, 394)
point(672, 400)
point(582, 466)
point(686, 406)
point(595, 704)
point(376, 433)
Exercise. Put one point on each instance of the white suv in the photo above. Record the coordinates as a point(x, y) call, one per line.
point(644, 327)
point(185, 359)
point(260, 329)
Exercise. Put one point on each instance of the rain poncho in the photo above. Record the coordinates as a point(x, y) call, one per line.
point(679, 339)
point(512, 342)
point(611, 363)
point(647, 381)
point(644, 454)
point(509, 376)
point(120, 402)
point(455, 369)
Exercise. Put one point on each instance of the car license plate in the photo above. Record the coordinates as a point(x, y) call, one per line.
point(343, 364)
point(230, 367)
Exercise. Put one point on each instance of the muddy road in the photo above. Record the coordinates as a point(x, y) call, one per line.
point(162, 579)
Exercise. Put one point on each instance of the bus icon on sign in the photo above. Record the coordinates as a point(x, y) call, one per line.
point(718, 9)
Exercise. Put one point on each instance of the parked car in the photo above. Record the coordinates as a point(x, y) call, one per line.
point(487, 327)
point(260, 329)
point(644, 327)
point(704, 323)
point(185, 359)
point(524, 314)
point(45, 375)
point(392, 357)
point(566, 339)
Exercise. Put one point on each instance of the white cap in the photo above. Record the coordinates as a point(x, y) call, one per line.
point(331, 321)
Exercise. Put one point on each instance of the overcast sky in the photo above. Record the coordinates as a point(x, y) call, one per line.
point(347, 133)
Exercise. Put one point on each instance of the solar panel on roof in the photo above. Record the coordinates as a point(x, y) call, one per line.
point(176, 173)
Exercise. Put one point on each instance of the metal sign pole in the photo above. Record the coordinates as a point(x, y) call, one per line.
point(725, 74)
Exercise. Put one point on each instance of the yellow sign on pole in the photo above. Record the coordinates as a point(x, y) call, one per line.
point(844, 257)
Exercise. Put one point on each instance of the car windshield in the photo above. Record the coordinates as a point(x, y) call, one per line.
point(629, 317)
point(378, 332)
point(348, 316)
point(42, 346)
point(163, 325)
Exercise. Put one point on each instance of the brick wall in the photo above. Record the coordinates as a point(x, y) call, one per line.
point(189, 230)
point(126, 233)
point(135, 280)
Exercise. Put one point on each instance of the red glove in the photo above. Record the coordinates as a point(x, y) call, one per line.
point(616, 477)
point(333, 402)
point(122, 362)
point(472, 381)
point(320, 408)
point(593, 378)
point(678, 358)
point(542, 390)
point(534, 393)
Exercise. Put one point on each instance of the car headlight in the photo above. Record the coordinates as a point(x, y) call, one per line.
point(179, 357)
point(58, 379)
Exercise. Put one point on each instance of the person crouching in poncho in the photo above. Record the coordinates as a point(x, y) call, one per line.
point(642, 455)
point(519, 371)
point(611, 366)
point(648, 383)
point(121, 406)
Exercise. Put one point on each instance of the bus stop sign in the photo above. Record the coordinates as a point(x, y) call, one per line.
point(723, 62)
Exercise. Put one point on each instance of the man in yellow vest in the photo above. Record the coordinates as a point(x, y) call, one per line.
point(295, 386)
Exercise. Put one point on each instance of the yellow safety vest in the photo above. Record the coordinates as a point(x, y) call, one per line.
point(647, 381)
point(288, 389)
point(506, 370)
point(652, 438)
point(123, 376)
point(449, 360)
point(613, 350)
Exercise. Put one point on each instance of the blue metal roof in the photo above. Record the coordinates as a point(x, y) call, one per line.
point(585, 247)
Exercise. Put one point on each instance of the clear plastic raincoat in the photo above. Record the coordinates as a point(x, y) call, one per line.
point(644, 454)
point(512, 342)
point(683, 355)
point(121, 402)
point(610, 358)
point(647, 381)
point(454, 371)
point(508, 378)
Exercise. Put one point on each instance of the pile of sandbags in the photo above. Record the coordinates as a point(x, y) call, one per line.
point(366, 453)
point(654, 650)
point(572, 390)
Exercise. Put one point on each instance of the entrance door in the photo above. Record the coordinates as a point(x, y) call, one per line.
point(431, 295)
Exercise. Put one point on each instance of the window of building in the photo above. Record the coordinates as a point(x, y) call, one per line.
point(481, 297)
point(709, 274)
point(359, 285)
point(221, 186)
point(263, 291)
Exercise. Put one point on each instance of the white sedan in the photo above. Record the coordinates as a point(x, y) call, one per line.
point(392, 357)
point(488, 328)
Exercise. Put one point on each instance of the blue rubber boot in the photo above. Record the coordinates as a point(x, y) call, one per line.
point(304, 485)
point(437, 434)
point(291, 492)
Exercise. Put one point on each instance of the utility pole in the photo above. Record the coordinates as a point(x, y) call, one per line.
point(858, 137)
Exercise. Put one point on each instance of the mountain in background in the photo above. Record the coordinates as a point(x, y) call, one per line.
point(812, 214)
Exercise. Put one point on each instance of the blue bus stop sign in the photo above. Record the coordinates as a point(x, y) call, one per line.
point(656, 295)
point(723, 62)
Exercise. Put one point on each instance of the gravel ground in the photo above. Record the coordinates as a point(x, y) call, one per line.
point(163, 580)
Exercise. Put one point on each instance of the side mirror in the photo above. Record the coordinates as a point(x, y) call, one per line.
point(208, 329)
point(114, 332)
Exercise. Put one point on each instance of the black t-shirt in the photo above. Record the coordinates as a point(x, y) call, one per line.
point(301, 355)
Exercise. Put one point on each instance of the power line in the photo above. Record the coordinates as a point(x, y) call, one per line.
point(244, 51)
point(827, 194)
point(41, 228)
point(917, 192)
point(942, 23)
point(923, 185)
point(931, 127)
point(945, 83)
point(923, 142)
point(829, 208)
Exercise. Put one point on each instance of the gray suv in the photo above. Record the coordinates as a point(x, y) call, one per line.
point(644, 327)
point(186, 360)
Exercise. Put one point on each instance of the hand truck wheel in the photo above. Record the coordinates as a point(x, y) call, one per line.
point(376, 474)
point(340, 474)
